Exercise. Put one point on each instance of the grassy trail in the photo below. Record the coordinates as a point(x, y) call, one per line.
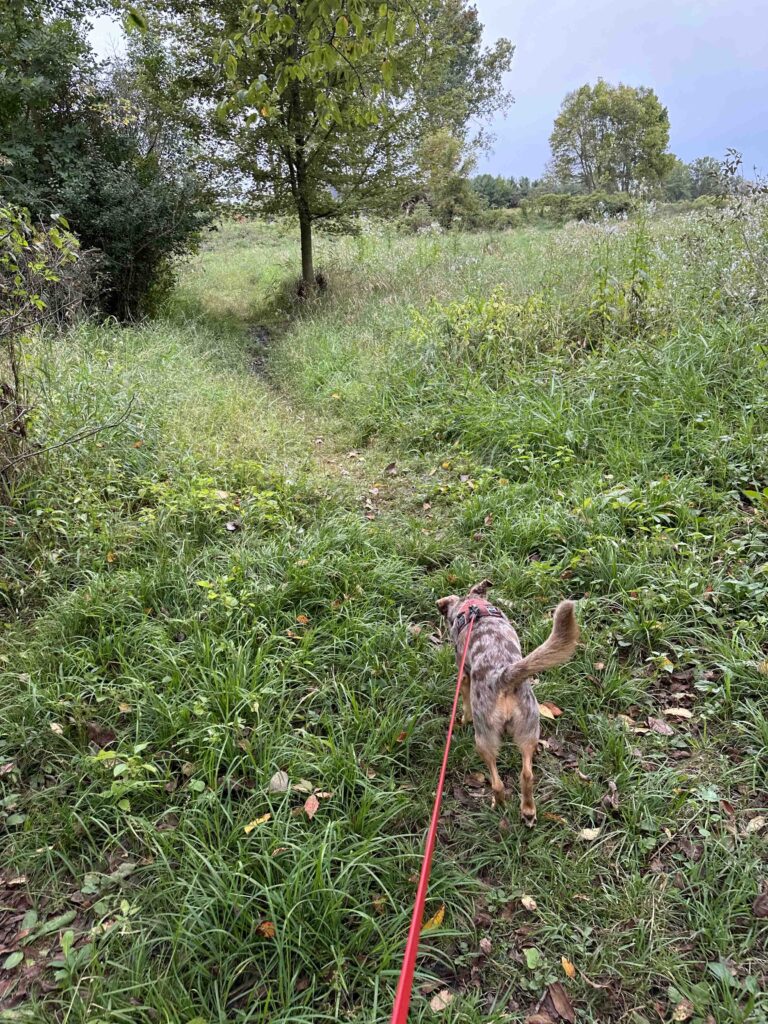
point(241, 583)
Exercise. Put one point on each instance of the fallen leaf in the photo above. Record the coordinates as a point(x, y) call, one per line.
point(589, 834)
point(303, 786)
point(561, 1002)
point(660, 726)
point(391, 469)
point(111, 556)
point(760, 904)
point(683, 1010)
point(599, 666)
point(540, 1018)
point(324, 796)
point(678, 713)
point(399, 739)
point(138, 444)
point(611, 798)
point(754, 825)
point(379, 904)
point(554, 710)
point(101, 735)
point(568, 967)
point(123, 708)
point(233, 525)
point(486, 946)
point(267, 929)
point(529, 903)
point(311, 805)
point(762, 668)
point(435, 921)
point(280, 849)
point(5, 769)
point(55, 727)
point(546, 713)
point(279, 783)
point(303, 620)
point(441, 1001)
point(255, 823)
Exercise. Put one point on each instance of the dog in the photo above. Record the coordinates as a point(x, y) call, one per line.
point(496, 687)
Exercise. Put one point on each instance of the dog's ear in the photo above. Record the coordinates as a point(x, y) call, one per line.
point(481, 588)
point(446, 603)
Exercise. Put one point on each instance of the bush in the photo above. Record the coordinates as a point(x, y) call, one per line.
point(107, 148)
point(39, 285)
point(557, 208)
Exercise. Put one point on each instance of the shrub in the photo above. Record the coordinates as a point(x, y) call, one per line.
point(38, 285)
point(106, 148)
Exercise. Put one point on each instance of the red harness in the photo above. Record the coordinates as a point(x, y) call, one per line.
point(477, 608)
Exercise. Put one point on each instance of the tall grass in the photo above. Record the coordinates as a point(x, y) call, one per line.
point(239, 583)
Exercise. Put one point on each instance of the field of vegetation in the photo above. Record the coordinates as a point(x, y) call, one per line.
point(223, 684)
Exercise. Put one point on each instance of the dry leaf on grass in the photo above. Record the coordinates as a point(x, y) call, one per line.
point(435, 921)
point(486, 946)
point(611, 798)
point(660, 726)
point(267, 929)
point(549, 710)
point(279, 783)
point(760, 904)
point(441, 1001)
point(56, 728)
point(588, 834)
point(678, 713)
point(561, 1002)
point(568, 967)
point(754, 825)
point(303, 786)
point(310, 806)
point(529, 903)
point(255, 823)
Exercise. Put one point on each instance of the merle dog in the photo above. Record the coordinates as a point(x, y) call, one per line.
point(496, 689)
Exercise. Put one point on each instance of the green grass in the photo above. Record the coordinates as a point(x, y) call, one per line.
point(575, 413)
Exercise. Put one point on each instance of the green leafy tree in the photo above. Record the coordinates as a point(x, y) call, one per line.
point(445, 167)
point(611, 137)
point(322, 105)
point(706, 177)
point(678, 182)
point(103, 146)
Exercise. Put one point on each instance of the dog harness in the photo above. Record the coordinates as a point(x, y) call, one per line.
point(475, 608)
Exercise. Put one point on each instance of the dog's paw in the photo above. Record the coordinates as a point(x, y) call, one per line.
point(499, 798)
point(466, 720)
point(528, 818)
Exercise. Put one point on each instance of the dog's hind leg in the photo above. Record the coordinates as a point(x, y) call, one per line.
point(527, 803)
point(466, 717)
point(489, 751)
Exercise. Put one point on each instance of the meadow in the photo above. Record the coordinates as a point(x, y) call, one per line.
point(222, 675)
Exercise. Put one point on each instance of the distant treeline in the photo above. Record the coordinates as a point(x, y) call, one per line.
point(684, 181)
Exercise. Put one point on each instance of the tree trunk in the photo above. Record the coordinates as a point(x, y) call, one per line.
point(307, 264)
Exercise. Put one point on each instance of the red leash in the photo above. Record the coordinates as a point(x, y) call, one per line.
point(405, 984)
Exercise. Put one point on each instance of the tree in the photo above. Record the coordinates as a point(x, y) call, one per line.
point(445, 168)
point(706, 177)
point(323, 105)
point(678, 183)
point(611, 137)
point(98, 145)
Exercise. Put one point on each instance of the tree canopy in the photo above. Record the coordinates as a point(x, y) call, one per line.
point(322, 106)
point(613, 138)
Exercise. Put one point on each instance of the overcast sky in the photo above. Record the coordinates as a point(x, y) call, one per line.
point(706, 59)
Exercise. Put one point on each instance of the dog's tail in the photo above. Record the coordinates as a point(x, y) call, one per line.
point(556, 649)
